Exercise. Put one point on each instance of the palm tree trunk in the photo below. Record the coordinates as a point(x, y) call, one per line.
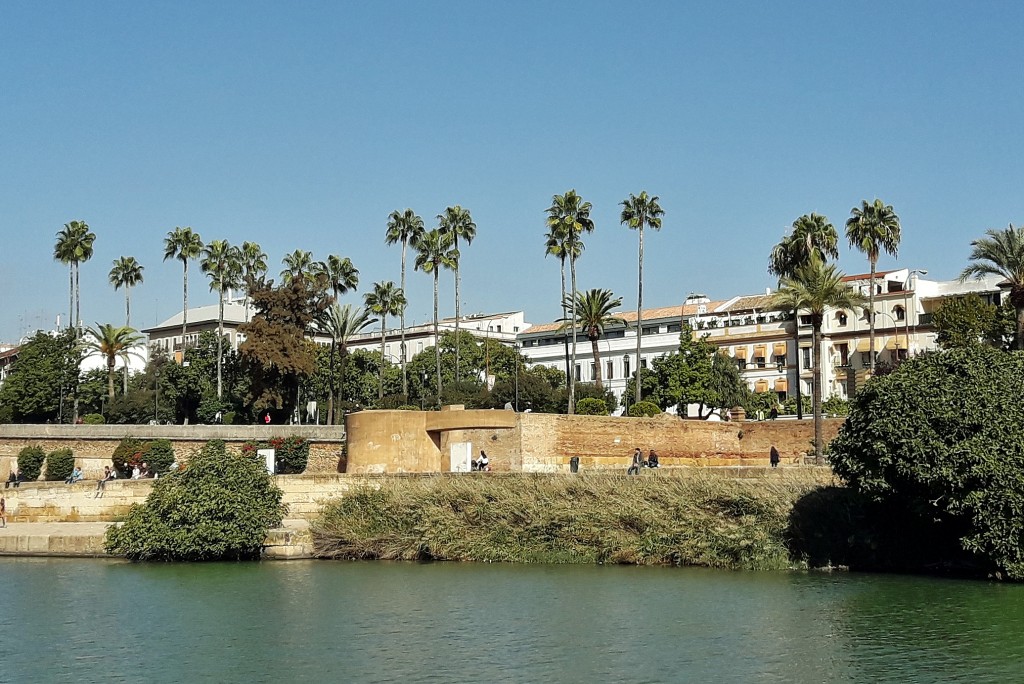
point(796, 364)
point(871, 318)
point(71, 294)
point(128, 323)
point(597, 361)
point(220, 339)
point(78, 303)
point(332, 386)
point(1020, 328)
point(184, 311)
point(816, 391)
point(383, 322)
point(457, 307)
point(405, 378)
point(437, 340)
point(565, 336)
point(639, 309)
point(110, 378)
point(572, 374)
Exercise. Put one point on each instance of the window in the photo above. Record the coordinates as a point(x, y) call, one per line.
point(499, 328)
point(898, 313)
point(759, 361)
point(650, 330)
point(611, 370)
point(643, 363)
point(844, 354)
point(614, 334)
point(841, 318)
point(779, 361)
point(675, 327)
point(593, 370)
point(515, 328)
point(806, 357)
point(577, 373)
point(741, 363)
point(625, 366)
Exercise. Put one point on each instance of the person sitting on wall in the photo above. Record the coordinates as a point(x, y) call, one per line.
point(483, 464)
point(637, 463)
point(75, 476)
point(14, 478)
point(108, 475)
point(652, 460)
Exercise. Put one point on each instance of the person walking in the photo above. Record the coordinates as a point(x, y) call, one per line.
point(773, 457)
point(638, 461)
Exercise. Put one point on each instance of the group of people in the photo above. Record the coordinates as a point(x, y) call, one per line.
point(13, 479)
point(639, 461)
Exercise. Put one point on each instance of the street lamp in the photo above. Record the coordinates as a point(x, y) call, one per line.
point(906, 311)
point(516, 345)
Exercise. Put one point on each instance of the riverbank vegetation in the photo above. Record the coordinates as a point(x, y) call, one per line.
point(703, 519)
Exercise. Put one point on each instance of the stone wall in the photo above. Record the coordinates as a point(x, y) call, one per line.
point(94, 444)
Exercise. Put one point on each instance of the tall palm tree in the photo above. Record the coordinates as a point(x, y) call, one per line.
point(113, 343)
point(815, 287)
point(385, 300)
point(569, 214)
point(405, 228)
point(872, 228)
point(183, 244)
point(637, 212)
point(810, 235)
point(434, 251)
point(341, 323)
point(594, 313)
point(1001, 253)
point(74, 245)
point(297, 264)
point(555, 245)
point(254, 267)
point(456, 222)
point(340, 274)
point(126, 273)
point(223, 264)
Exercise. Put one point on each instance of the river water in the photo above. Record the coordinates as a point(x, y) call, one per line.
point(111, 621)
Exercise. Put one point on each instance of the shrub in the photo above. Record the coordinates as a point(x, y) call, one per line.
point(941, 438)
point(30, 462)
point(643, 409)
point(407, 407)
point(59, 464)
point(591, 407)
point(93, 419)
point(159, 455)
point(229, 418)
point(291, 454)
point(219, 508)
point(127, 455)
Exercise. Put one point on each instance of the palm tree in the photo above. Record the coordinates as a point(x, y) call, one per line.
point(385, 300)
point(594, 314)
point(183, 244)
point(1001, 253)
point(223, 263)
point(340, 274)
point(126, 273)
point(456, 222)
point(433, 251)
point(811, 235)
point(637, 212)
point(74, 245)
point(341, 323)
point(297, 264)
point(254, 267)
point(555, 245)
point(873, 228)
point(569, 215)
point(113, 343)
point(815, 287)
point(405, 228)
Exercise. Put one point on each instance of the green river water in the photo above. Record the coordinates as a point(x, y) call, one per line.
point(110, 621)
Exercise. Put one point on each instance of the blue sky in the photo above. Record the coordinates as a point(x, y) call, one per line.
point(303, 125)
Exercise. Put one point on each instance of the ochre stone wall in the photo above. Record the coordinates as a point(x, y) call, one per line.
point(93, 445)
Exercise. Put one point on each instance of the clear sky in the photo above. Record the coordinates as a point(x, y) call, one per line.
point(303, 125)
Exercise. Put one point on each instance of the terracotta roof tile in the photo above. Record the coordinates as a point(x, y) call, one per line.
point(661, 313)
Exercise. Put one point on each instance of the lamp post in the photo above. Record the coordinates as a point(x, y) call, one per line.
point(906, 311)
point(516, 345)
point(423, 387)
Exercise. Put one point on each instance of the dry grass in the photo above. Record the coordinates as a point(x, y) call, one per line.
point(594, 518)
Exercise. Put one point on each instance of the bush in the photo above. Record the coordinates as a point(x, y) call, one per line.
point(291, 454)
point(127, 455)
point(643, 409)
point(59, 464)
point(589, 406)
point(159, 455)
point(941, 437)
point(94, 419)
point(219, 508)
point(30, 462)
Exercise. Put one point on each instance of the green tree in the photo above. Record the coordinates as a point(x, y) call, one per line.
point(873, 228)
point(43, 379)
point(593, 314)
point(385, 300)
point(1001, 253)
point(74, 246)
point(639, 211)
point(555, 244)
point(434, 251)
point(341, 274)
point(254, 268)
point(405, 228)
point(814, 288)
point(684, 377)
point(569, 216)
point(298, 264)
point(456, 223)
point(127, 273)
point(113, 343)
point(811, 235)
point(184, 245)
point(276, 353)
point(219, 508)
point(965, 321)
point(341, 323)
point(223, 264)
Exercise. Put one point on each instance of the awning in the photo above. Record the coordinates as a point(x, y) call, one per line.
point(781, 385)
point(760, 350)
point(779, 348)
point(761, 386)
point(897, 342)
point(740, 353)
point(864, 345)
